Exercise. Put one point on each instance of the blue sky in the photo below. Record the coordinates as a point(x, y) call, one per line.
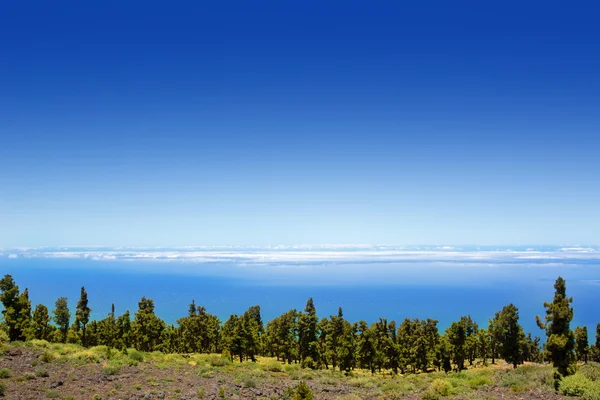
point(263, 123)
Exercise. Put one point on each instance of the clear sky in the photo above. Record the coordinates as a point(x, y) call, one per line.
point(154, 123)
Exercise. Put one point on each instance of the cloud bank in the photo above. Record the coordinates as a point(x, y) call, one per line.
point(310, 254)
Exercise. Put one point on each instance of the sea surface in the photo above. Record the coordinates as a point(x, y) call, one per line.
point(367, 283)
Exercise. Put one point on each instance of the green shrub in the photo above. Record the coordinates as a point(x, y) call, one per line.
point(308, 362)
point(250, 383)
point(303, 392)
point(221, 393)
point(4, 336)
point(441, 386)
point(41, 373)
point(430, 394)
point(590, 371)
point(52, 394)
point(47, 357)
point(361, 382)
point(219, 361)
point(580, 385)
point(515, 382)
point(2, 389)
point(135, 355)
point(291, 368)
point(479, 381)
point(111, 369)
point(438, 388)
point(200, 393)
point(68, 398)
point(273, 366)
point(29, 376)
point(207, 374)
point(574, 385)
point(5, 373)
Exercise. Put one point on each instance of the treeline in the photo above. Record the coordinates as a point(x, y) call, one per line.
point(301, 337)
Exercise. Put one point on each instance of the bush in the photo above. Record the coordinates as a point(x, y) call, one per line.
point(430, 394)
point(29, 376)
point(515, 382)
point(361, 382)
point(250, 383)
point(52, 394)
point(47, 357)
point(580, 385)
point(2, 389)
point(219, 361)
point(135, 355)
point(41, 373)
point(438, 388)
point(111, 369)
point(273, 366)
point(479, 381)
point(303, 392)
point(4, 336)
point(308, 362)
point(590, 371)
point(5, 373)
point(200, 393)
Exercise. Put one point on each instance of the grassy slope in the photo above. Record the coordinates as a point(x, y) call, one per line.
point(211, 375)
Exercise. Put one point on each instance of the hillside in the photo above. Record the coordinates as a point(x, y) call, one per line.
point(39, 370)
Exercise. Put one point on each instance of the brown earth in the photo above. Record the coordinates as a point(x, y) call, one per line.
point(149, 381)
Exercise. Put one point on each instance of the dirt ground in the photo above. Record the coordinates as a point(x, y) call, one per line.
point(147, 381)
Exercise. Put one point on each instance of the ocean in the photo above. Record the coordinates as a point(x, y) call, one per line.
point(367, 287)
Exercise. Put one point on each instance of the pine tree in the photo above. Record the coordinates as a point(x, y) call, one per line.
point(24, 320)
point(41, 322)
point(124, 330)
point(595, 348)
point(108, 330)
point(82, 315)
point(192, 309)
point(471, 329)
point(62, 317)
point(366, 347)
point(232, 337)
point(560, 341)
point(147, 328)
point(581, 347)
point(17, 308)
point(335, 337)
point(307, 334)
point(445, 354)
point(483, 342)
point(323, 328)
point(250, 327)
point(457, 338)
point(510, 335)
point(494, 340)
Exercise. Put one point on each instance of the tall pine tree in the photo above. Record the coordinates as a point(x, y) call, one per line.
point(82, 315)
point(560, 341)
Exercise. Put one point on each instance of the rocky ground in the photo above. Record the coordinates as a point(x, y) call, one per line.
point(32, 378)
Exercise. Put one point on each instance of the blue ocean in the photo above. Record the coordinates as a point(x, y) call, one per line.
point(367, 284)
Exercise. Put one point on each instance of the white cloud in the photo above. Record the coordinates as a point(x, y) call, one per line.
point(303, 254)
